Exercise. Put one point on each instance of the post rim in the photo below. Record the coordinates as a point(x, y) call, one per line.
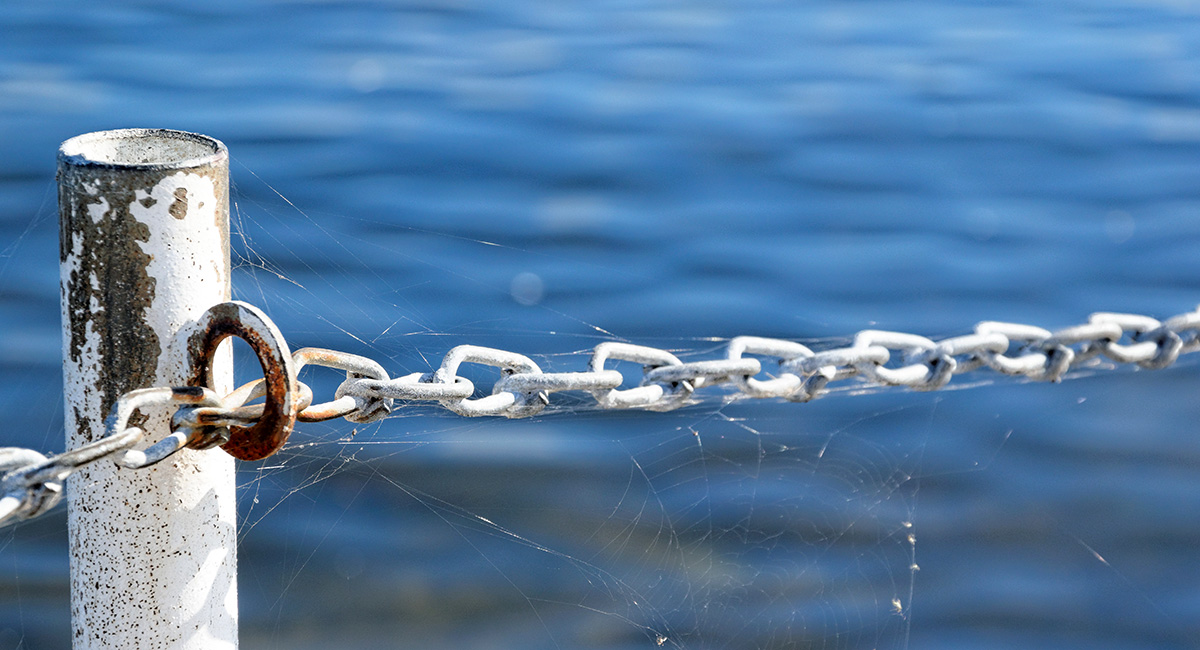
point(86, 150)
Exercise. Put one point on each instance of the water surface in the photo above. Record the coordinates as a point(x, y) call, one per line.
point(410, 176)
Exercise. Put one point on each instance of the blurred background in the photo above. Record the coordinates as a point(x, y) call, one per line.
point(542, 176)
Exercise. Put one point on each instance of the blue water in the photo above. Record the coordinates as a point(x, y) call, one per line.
point(409, 175)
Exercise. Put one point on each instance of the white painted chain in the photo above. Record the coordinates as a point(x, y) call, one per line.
point(793, 372)
point(32, 483)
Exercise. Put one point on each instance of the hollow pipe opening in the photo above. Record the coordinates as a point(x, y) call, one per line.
point(142, 148)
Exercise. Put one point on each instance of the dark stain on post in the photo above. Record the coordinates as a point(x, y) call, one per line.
point(179, 207)
point(108, 250)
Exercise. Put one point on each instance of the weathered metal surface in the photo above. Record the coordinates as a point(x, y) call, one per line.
point(22, 500)
point(278, 416)
point(144, 251)
point(355, 408)
point(196, 437)
point(32, 483)
point(500, 402)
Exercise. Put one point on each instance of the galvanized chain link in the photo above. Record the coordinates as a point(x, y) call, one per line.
point(32, 483)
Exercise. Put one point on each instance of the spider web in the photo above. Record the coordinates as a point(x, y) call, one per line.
point(729, 523)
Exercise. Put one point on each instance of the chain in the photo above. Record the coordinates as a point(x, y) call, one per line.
point(32, 483)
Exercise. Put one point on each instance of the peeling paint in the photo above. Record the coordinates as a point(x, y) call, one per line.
point(107, 267)
point(78, 376)
point(179, 206)
point(172, 265)
point(97, 210)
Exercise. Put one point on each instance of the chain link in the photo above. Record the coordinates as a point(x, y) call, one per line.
point(32, 483)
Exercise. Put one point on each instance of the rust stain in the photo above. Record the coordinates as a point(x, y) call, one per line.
point(271, 432)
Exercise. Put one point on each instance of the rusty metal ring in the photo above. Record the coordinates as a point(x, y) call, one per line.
point(248, 323)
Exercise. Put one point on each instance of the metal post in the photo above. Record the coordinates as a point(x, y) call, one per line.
point(144, 249)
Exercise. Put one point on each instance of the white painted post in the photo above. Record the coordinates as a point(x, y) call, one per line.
point(144, 249)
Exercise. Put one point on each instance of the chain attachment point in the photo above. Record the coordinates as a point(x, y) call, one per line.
point(250, 324)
